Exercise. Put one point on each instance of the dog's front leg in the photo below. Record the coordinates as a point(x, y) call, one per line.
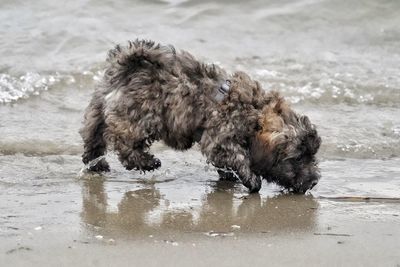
point(235, 157)
point(241, 165)
point(132, 153)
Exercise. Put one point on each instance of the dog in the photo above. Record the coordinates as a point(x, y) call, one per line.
point(152, 92)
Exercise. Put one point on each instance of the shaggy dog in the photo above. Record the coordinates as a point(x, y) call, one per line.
point(152, 92)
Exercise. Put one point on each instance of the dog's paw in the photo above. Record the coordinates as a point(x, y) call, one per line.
point(148, 164)
point(253, 184)
point(101, 166)
point(153, 164)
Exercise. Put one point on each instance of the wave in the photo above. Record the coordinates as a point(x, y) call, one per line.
point(312, 86)
point(39, 148)
point(14, 87)
point(382, 149)
point(299, 87)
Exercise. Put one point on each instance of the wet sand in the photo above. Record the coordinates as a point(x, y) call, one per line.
point(181, 217)
point(371, 244)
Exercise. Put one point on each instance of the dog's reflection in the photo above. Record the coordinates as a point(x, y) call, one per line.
point(220, 211)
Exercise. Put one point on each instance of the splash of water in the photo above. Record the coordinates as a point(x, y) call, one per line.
point(89, 165)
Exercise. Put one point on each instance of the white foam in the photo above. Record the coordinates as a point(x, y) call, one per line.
point(14, 88)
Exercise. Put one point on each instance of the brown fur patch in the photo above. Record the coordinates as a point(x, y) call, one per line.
point(272, 120)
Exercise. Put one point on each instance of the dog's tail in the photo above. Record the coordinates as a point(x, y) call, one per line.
point(138, 55)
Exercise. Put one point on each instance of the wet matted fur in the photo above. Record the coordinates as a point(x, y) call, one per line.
point(152, 92)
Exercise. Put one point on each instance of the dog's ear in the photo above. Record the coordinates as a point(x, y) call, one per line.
point(272, 122)
point(311, 140)
point(270, 133)
point(269, 120)
point(261, 152)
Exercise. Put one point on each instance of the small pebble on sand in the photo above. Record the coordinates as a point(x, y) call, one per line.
point(111, 241)
point(219, 234)
point(173, 243)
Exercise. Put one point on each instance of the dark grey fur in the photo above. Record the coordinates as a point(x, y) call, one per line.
point(151, 92)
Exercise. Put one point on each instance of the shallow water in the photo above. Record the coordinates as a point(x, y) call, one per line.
point(336, 61)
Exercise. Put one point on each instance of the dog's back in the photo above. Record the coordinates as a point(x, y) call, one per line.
point(149, 92)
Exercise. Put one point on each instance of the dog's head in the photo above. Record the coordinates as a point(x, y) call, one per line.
point(283, 150)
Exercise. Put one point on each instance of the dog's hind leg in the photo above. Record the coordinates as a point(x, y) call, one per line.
point(132, 141)
point(136, 156)
point(92, 135)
